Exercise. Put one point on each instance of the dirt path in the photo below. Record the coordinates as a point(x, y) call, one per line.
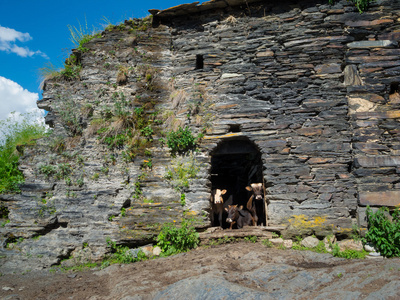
point(247, 270)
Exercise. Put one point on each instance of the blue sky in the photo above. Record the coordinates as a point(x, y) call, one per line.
point(34, 33)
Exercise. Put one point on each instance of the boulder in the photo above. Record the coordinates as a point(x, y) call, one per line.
point(310, 242)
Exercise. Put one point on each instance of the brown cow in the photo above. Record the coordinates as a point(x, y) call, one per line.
point(239, 216)
point(217, 206)
point(256, 203)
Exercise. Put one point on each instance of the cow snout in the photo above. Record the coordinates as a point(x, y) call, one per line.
point(259, 197)
point(229, 220)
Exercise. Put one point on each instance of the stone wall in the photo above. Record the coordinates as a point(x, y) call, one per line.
point(314, 87)
point(299, 95)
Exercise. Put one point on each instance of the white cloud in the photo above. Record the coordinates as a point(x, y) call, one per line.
point(10, 35)
point(8, 38)
point(14, 97)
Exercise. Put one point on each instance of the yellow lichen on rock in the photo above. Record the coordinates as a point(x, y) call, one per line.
point(303, 221)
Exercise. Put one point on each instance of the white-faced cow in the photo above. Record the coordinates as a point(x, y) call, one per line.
point(239, 216)
point(256, 203)
point(217, 206)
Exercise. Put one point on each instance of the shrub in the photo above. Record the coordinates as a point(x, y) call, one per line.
point(173, 239)
point(16, 135)
point(182, 140)
point(384, 233)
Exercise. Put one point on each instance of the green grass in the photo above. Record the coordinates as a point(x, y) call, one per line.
point(81, 35)
point(17, 134)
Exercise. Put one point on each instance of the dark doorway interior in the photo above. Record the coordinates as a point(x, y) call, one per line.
point(235, 164)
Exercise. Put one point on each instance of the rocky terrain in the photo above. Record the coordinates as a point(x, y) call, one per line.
point(236, 271)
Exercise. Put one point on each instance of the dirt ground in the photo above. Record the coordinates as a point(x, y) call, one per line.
point(235, 264)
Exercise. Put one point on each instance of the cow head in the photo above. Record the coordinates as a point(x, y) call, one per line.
point(257, 189)
point(216, 196)
point(233, 213)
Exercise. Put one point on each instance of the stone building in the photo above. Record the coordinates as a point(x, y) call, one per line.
point(301, 96)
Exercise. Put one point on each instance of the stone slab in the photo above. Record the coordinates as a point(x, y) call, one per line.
point(372, 44)
point(377, 161)
point(388, 198)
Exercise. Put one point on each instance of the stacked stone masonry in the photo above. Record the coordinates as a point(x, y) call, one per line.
point(311, 90)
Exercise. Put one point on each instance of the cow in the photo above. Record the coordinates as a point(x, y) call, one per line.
point(217, 206)
point(256, 204)
point(239, 216)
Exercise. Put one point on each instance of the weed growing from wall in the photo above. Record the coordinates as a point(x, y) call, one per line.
point(4, 215)
point(181, 171)
point(69, 115)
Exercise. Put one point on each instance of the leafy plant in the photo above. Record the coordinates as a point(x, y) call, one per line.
point(64, 170)
point(147, 163)
point(46, 208)
point(183, 199)
point(47, 170)
point(123, 212)
point(251, 239)
point(138, 190)
point(182, 140)
point(80, 182)
point(267, 243)
point(173, 239)
point(147, 132)
point(382, 232)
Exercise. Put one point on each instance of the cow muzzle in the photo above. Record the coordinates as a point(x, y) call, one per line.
point(229, 220)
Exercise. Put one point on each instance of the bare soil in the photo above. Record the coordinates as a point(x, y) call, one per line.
point(301, 275)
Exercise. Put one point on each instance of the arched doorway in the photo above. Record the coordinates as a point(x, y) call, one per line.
point(235, 164)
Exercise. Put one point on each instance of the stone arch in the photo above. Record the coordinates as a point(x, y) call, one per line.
point(236, 163)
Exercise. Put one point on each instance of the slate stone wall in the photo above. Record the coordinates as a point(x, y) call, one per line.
point(315, 87)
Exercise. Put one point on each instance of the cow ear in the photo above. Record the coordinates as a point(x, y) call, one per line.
point(226, 209)
point(259, 185)
point(241, 207)
point(223, 192)
point(249, 188)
